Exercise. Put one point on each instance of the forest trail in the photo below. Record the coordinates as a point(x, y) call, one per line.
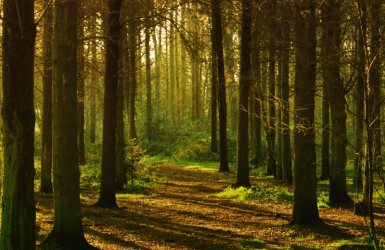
point(182, 214)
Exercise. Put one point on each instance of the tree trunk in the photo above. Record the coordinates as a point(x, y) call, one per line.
point(251, 121)
point(373, 109)
point(172, 67)
point(46, 133)
point(325, 118)
point(337, 178)
point(214, 86)
point(361, 80)
point(132, 41)
point(305, 210)
point(287, 174)
point(256, 73)
point(120, 179)
point(279, 119)
point(148, 78)
point(183, 69)
point(18, 205)
point(67, 231)
point(81, 93)
point(270, 139)
point(108, 174)
point(244, 86)
point(218, 54)
point(92, 131)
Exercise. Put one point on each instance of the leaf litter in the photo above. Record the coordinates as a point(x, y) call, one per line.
point(183, 213)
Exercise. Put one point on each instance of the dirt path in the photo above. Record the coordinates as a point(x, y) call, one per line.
point(182, 215)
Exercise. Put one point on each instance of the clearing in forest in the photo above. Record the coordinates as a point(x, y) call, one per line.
point(184, 211)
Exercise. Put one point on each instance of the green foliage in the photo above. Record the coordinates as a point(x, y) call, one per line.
point(323, 200)
point(355, 244)
point(311, 236)
point(260, 192)
point(93, 152)
point(90, 174)
point(254, 243)
point(138, 166)
point(189, 142)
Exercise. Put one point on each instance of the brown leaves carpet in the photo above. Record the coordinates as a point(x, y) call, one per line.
point(181, 214)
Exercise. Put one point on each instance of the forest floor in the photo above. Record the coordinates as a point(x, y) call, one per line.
point(182, 213)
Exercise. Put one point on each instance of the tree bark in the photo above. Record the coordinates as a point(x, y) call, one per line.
point(67, 231)
point(46, 133)
point(120, 179)
point(214, 86)
point(373, 109)
point(148, 77)
point(183, 71)
point(244, 86)
point(287, 174)
point(218, 57)
point(172, 67)
point(279, 97)
point(305, 210)
point(325, 102)
point(337, 178)
point(81, 93)
point(132, 41)
point(358, 144)
point(256, 73)
point(270, 139)
point(92, 131)
point(18, 205)
point(108, 174)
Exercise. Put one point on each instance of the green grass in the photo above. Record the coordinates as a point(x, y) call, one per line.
point(356, 244)
point(202, 166)
point(259, 192)
point(137, 196)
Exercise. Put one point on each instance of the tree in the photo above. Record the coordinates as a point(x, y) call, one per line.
point(46, 133)
point(279, 174)
point(337, 178)
point(81, 93)
point(373, 103)
point(219, 62)
point(148, 76)
point(92, 130)
point(18, 205)
point(214, 86)
point(108, 175)
point(132, 73)
point(244, 86)
point(67, 231)
point(256, 68)
point(121, 179)
point(287, 174)
point(305, 210)
point(361, 80)
point(270, 138)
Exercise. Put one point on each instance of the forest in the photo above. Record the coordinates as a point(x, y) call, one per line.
point(188, 124)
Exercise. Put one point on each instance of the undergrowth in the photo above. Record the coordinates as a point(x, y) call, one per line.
point(259, 192)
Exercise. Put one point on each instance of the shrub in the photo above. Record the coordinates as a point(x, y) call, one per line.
point(137, 166)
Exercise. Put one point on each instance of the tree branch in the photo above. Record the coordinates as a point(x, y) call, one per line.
point(42, 15)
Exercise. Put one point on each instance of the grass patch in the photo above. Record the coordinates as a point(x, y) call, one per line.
point(259, 192)
point(303, 238)
point(355, 244)
point(137, 196)
point(47, 215)
point(202, 166)
point(252, 243)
